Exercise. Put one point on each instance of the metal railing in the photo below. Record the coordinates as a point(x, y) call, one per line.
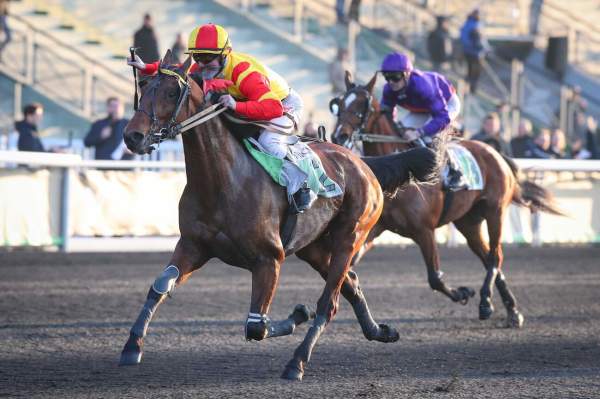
point(60, 71)
point(67, 162)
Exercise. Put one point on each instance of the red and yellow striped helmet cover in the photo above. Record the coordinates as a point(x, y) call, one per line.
point(208, 38)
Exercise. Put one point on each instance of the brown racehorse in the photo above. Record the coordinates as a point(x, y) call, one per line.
point(232, 210)
point(416, 211)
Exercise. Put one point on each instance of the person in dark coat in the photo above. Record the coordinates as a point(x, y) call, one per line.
point(524, 139)
point(145, 41)
point(491, 134)
point(439, 43)
point(106, 135)
point(28, 128)
point(178, 49)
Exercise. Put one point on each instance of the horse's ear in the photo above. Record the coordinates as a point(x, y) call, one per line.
point(371, 83)
point(167, 59)
point(185, 67)
point(348, 80)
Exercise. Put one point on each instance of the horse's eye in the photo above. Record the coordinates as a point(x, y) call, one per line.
point(172, 94)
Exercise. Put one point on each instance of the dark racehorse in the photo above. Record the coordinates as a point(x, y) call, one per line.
point(416, 211)
point(232, 210)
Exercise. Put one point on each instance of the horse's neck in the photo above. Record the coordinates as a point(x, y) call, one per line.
point(214, 160)
point(379, 124)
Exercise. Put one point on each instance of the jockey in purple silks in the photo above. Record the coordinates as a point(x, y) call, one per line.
point(431, 100)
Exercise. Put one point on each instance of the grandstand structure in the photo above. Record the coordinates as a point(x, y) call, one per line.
point(70, 53)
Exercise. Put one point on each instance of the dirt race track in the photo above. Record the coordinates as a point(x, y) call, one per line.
point(65, 318)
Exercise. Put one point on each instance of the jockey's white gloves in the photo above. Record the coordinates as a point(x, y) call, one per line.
point(138, 63)
point(411, 134)
point(227, 101)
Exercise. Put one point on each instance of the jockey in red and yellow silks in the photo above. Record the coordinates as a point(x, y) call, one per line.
point(256, 92)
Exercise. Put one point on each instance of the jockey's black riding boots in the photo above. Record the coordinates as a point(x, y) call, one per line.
point(302, 199)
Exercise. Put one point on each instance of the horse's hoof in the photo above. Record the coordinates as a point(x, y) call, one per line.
point(130, 358)
point(485, 312)
point(292, 373)
point(302, 314)
point(387, 334)
point(465, 293)
point(515, 319)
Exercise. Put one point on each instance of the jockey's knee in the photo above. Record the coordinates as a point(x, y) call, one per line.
point(273, 144)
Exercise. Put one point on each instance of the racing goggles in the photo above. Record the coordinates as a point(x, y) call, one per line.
point(204, 58)
point(393, 76)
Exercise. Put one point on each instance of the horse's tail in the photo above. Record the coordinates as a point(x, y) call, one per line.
point(392, 171)
point(531, 195)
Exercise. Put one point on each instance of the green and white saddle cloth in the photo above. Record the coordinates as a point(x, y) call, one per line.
point(300, 165)
point(466, 163)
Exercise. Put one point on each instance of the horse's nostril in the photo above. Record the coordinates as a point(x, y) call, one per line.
point(133, 140)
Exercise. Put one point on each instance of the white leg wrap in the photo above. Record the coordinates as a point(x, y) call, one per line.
point(165, 283)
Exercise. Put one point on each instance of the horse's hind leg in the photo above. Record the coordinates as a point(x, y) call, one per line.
point(318, 256)
point(425, 239)
point(471, 228)
point(265, 276)
point(348, 238)
point(186, 258)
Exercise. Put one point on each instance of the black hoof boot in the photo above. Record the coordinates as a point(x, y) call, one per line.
point(485, 311)
point(301, 314)
point(386, 334)
point(301, 200)
point(464, 294)
point(292, 372)
point(256, 331)
point(132, 352)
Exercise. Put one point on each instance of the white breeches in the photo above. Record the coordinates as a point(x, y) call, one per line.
point(418, 120)
point(275, 143)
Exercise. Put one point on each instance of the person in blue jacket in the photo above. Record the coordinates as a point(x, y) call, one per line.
point(429, 97)
point(474, 48)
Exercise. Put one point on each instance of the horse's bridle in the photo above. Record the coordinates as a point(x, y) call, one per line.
point(159, 134)
point(362, 116)
point(172, 129)
point(359, 132)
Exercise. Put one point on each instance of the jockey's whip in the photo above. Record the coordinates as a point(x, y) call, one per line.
point(135, 96)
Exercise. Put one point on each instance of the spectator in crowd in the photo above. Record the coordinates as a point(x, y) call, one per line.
point(541, 146)
point(178, 49)
point(145, 41)
point(340, 11)
point(337, 70)
point(439, 43)
point(310, 127)
point(524, 139)
point(558, 144)
point(491, 134)
point(4, 26)
point(474, 48)
point(353, 12)
point(29, 139)
point(586, 147)
point(106, 135)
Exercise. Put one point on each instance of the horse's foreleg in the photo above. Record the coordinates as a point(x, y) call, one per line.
point(425, 239)
point(186, 258)
point(259, 326)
